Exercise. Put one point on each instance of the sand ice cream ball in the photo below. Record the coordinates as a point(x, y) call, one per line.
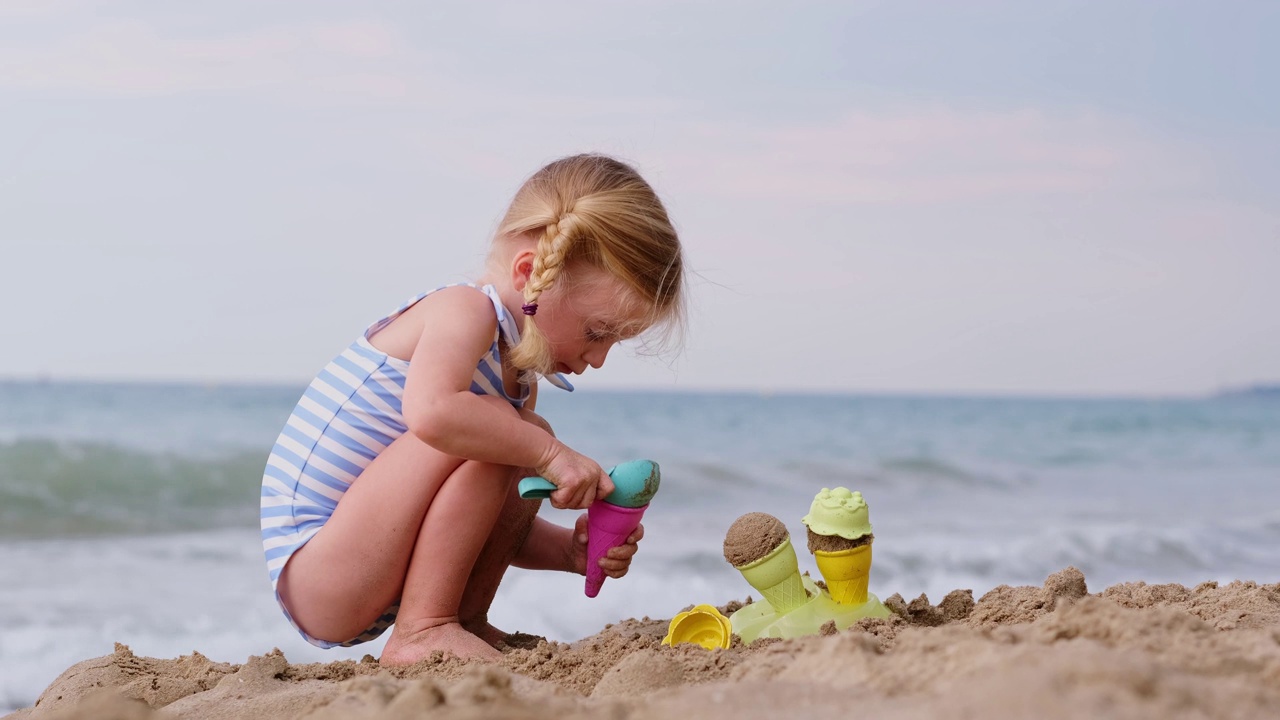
point(838, 520)
point(752, 537)
point(759, 546)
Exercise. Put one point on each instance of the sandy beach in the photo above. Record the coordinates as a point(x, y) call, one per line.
point(1057, 651)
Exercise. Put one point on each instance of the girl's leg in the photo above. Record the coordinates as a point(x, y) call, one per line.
point(366, 556)
point(508, 536)
point(458, 523)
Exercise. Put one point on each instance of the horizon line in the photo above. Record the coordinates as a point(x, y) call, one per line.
point(760, 391)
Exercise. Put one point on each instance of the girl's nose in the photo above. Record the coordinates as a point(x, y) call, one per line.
point(595, 356)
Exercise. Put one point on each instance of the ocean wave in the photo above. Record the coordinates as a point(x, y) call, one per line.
point(1105, 553)
point(768, 478)
point(937, 472)
point(58, 489)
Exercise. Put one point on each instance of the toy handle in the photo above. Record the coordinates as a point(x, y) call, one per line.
point(536, 488)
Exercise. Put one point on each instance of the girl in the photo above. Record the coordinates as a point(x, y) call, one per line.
point(390, 495)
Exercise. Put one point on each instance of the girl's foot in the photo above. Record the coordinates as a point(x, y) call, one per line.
point(406, 647)
point(486, 632)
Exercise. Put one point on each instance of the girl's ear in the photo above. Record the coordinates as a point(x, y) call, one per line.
point(521, 269)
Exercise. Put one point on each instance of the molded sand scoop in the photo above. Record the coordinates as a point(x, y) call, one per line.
point(613, 518)
point(759, 546)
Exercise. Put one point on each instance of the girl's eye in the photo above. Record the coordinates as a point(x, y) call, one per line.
point(596, 336)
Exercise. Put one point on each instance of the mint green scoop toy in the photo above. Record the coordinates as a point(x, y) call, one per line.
point(610, 519)
point(634, 484)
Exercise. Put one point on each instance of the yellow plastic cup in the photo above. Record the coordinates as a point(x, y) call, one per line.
point(846, 573)
point(777, 577)
point(703, 625)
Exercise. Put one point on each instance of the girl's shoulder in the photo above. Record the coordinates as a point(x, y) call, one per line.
point(461, 304)
point(456, 311)
point(477, 303)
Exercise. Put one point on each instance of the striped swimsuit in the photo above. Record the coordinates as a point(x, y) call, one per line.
point(351, 412)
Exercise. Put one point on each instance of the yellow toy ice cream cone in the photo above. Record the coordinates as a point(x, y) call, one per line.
point(840, 539)
point(846, 573)
point(777, 577)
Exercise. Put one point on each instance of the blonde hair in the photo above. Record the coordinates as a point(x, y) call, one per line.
point(592, 210)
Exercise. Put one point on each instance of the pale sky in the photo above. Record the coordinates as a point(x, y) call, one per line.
point(978, 197)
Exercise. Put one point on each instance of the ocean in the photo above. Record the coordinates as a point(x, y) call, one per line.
point(128, 512)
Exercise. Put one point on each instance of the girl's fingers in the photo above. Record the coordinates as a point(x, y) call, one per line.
point(605, 485)
point(614, 569)
point(622, 552)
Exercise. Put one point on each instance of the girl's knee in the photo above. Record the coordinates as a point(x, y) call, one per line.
point(534, 418)
point(497, 402)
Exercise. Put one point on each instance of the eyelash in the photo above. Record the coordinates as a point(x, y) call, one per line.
point(595, 336)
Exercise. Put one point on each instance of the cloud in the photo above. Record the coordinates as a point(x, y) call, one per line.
point(133, 58)
point(925, 156)
point(898, 155)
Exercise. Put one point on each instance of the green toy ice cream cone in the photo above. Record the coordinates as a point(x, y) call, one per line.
point(759, 546)
point(777, 577)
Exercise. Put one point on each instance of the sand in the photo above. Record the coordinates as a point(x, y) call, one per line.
point(752, 537)
point(1056, 651)
point(834, 543)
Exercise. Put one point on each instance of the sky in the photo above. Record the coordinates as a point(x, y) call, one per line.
point(1053, 198)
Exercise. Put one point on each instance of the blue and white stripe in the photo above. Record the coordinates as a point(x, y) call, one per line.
point(349, 413)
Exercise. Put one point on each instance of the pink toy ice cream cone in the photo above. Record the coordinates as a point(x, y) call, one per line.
point(608, 526)
point(612, 519)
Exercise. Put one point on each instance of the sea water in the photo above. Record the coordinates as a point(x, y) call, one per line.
point(128, 513)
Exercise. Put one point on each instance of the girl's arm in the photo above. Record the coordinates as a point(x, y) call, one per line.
point(439, 408)
point(551, 547)
point(548, 547)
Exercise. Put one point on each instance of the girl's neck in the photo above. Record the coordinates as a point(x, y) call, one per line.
point(512, 299)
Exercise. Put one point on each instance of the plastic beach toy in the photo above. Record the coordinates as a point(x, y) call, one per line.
point(847, 573)
point(777, 577)
point(634, 484)
point(703, 625)
point(794, 605)
point(611, 519)
point(842, 513)
point(760, 619)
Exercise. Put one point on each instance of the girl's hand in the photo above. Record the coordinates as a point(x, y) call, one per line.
point(579, 480)
point(616, 562)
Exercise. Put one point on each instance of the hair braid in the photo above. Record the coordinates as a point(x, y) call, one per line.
point(550, 257)
point(551, 254)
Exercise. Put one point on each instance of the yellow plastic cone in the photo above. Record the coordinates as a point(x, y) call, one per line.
point(777, 577)
point(846, 573)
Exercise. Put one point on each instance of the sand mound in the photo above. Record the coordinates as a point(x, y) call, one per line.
point(1055, 651)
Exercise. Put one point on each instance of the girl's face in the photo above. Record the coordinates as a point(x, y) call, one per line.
point(584, 318)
